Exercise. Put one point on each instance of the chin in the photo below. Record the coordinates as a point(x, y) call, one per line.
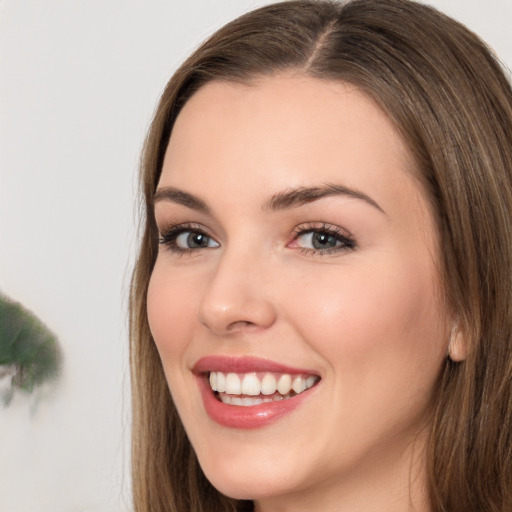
point(240, 479)
point(245, 487)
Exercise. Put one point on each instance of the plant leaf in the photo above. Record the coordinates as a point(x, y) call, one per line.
point(28, 344)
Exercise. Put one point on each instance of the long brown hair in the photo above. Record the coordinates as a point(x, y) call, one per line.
point(448, 97)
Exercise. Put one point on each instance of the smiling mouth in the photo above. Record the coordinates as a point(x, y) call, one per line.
point(255, 388)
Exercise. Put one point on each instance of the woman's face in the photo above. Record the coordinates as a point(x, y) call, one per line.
point(297, 249)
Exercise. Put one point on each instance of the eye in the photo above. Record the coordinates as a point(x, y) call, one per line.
point(194, 240)
point(324, 239)
point(186, 239)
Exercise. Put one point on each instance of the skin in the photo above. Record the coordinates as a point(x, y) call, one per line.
point(368, 319)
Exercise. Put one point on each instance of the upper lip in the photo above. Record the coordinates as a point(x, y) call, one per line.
point(244, 364)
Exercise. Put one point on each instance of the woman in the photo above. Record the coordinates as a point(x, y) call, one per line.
point(324, 278)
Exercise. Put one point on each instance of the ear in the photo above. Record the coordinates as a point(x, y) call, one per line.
point(457, 348)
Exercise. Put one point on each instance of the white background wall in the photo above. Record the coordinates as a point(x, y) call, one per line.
point(78, 82)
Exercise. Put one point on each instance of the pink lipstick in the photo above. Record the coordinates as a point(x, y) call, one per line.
point(248, 392)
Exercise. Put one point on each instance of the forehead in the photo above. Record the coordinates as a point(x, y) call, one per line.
point(287, 130)
point(305, 106)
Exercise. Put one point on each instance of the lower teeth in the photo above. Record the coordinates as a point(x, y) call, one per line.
point(248, 401)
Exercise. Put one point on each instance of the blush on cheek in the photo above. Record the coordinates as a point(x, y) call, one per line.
point(376, 315)
point(163, 309)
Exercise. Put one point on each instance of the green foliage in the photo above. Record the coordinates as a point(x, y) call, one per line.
point(29, 351)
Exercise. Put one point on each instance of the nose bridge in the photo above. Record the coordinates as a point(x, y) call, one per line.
point(236, 297)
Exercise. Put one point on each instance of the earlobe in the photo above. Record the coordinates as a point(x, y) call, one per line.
point(457, 349)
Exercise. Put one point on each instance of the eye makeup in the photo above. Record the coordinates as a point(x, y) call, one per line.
point(322, 238)
point(314, 238)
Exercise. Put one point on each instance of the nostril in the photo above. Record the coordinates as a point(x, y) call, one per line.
point(242, 325)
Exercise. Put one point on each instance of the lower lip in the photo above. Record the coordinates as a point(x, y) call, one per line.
point(251, 417)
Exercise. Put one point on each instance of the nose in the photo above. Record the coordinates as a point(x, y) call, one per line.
point(237, 298)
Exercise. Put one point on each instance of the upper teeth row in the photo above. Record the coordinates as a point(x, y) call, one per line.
point(252, 384)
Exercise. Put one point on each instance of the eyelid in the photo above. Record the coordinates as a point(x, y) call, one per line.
point(339, 233)
point(169, 234)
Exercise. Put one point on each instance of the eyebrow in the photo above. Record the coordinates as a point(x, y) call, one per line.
point(304, 195)
point(287, 199)
point(175, 195)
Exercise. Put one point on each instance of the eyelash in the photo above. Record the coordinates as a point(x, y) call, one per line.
point(170, 235)
point(168, 238)
point(340, 235)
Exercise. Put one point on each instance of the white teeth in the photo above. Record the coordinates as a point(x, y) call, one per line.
point(226, 399)
point(213, 381)
point(268, 384)
point(233, 385)
point(298, 385)
point(251, 384)
point(248, 401)
point(221, 382)
point(284, 384)
point(256, 388)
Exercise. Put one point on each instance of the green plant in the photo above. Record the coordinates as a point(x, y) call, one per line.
point(29, 351)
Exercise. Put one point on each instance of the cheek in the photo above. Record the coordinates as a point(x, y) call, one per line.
point(380, 328)
point(171, 306)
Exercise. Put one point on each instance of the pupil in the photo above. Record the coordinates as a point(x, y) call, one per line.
point(197, 240)
point(323, 240)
